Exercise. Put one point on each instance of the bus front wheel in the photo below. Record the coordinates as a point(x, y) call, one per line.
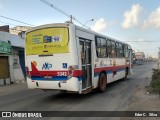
point(102, 82)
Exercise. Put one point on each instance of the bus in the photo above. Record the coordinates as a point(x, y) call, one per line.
point(70, 58)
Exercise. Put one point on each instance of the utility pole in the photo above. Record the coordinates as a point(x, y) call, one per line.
point(87, 22)
point(159, 54)
point(71, 19)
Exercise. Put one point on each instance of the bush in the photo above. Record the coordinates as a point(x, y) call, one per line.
point(155, 83)
point(156, 74)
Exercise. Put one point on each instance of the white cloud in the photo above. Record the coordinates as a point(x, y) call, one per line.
point(153, 20)
point(101, 25)
point(140, 39)
point(131, 17)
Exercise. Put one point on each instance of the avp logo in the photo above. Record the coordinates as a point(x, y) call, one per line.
point(46, 66)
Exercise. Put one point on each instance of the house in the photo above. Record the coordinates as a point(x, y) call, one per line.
point(12, 64)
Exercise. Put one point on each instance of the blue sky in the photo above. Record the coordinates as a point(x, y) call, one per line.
point(125, 20)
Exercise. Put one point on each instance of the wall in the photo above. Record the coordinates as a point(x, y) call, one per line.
point(17, 71)
point(14, 65)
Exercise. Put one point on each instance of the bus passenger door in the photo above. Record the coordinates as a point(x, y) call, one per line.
point(85, 49)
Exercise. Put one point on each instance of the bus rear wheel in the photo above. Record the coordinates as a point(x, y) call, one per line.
point(102, 83)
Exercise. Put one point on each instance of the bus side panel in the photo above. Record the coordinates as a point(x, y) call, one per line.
point(113, 67)
point(120, 72)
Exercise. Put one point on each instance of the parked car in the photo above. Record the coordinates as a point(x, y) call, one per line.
point(139, 62)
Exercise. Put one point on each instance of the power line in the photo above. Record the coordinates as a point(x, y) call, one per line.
point(53, 6)
point(142, 41)
point(16, 20)
point(63, 12)
point(8, 23)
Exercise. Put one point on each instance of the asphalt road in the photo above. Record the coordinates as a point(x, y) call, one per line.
point(116, 98)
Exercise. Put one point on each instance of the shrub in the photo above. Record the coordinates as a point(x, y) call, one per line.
point(155, 83)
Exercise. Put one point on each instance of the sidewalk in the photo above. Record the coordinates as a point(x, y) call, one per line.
point(7, 89)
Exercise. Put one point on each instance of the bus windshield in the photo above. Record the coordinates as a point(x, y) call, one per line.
point(47, 41)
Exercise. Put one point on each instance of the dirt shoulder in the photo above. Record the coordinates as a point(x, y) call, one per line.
point(142, 100)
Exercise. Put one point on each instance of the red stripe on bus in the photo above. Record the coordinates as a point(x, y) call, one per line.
point(76, 73)
point(35, 72)
point(113, 68)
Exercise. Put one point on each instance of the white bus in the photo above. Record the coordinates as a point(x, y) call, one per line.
point(70, 58)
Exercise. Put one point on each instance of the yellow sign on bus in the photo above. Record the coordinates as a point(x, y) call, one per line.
point(47, 41)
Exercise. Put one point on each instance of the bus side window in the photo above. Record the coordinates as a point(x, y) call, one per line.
point(126, 51)
point(117, 49)
point(121, 53)
point(123, 50)
point(109, 48)
point(98, 47)
point(103, 48)
point(113, 49)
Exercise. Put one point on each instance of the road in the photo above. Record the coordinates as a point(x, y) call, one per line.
point(116, 98)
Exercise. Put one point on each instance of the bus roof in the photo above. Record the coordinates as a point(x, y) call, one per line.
point(77, 27)
point(99, 34)
point(47, 25)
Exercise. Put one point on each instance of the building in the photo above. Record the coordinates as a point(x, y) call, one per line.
point(4, 28)
point(18, 29)
point(12, 65)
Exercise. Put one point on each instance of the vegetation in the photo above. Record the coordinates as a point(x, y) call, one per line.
point(155, 83)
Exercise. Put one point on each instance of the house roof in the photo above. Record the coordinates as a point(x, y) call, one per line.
point(15, 40)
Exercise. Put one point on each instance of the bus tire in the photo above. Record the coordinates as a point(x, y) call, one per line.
point(102, 82)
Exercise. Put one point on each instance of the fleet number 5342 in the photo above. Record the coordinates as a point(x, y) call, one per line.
point(61, 73)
